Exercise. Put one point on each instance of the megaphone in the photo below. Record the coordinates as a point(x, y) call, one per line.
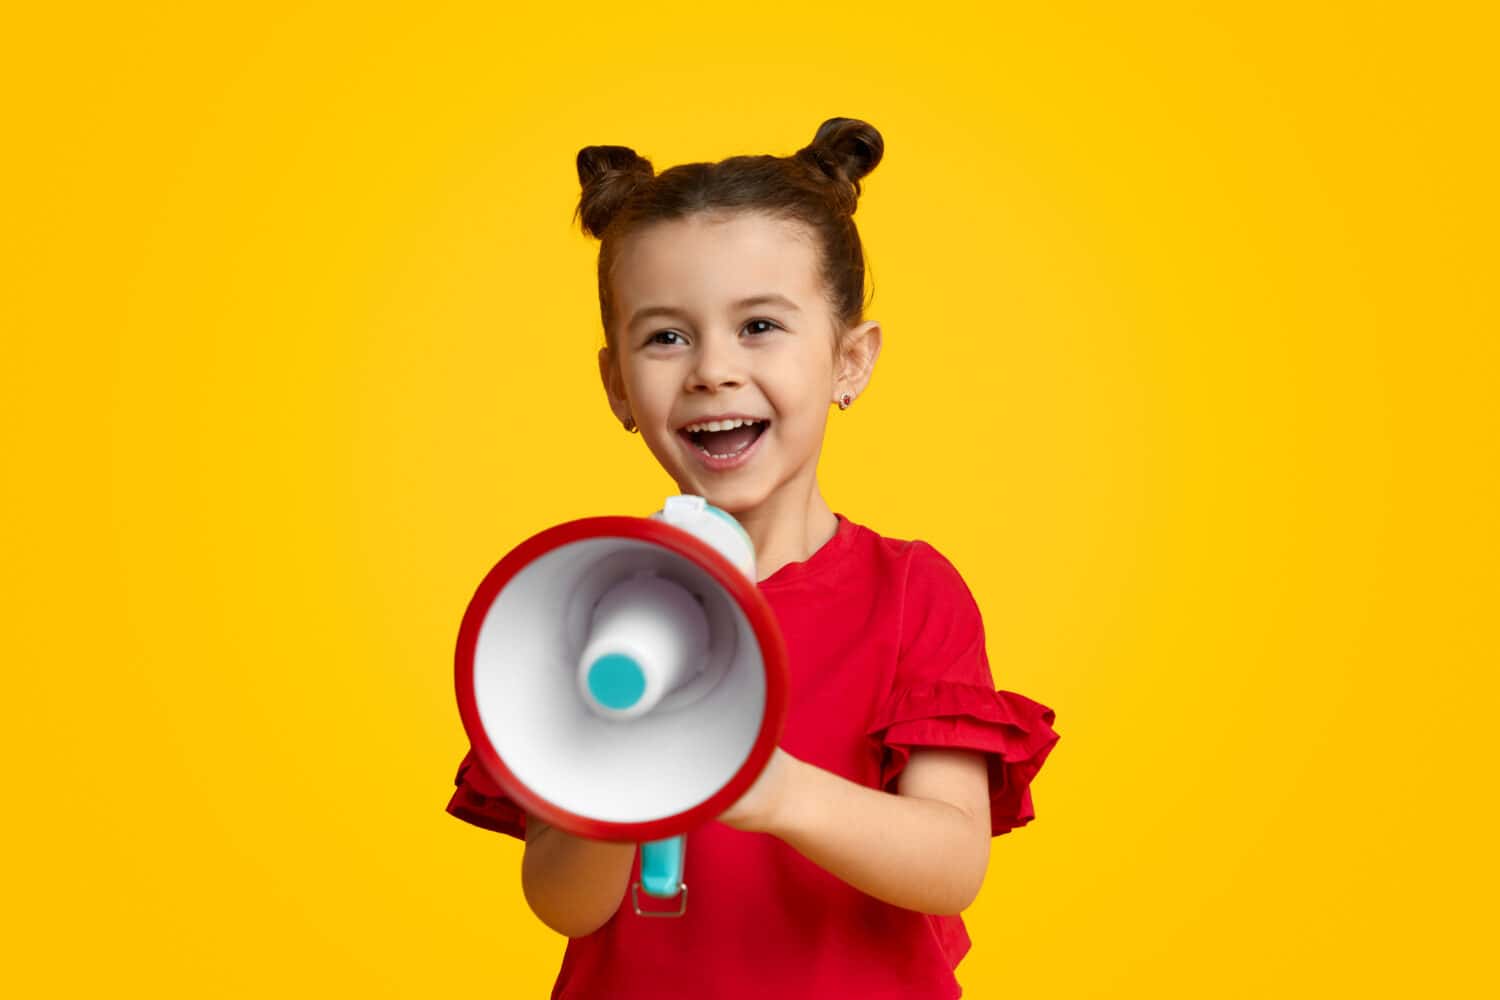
point(624, 679)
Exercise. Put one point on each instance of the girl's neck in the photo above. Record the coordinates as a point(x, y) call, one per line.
point(787, 529)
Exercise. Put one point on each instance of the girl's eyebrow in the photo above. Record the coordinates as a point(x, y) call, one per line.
point(767, 298)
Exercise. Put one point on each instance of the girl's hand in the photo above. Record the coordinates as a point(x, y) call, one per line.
point(760, 808)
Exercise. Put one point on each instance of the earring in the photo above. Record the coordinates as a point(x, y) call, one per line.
point(630, 426)
point(844, 401)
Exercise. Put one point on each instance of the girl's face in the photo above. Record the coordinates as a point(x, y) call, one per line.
point(690, 346)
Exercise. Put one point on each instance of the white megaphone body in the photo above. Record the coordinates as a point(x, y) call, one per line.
point(624, 679)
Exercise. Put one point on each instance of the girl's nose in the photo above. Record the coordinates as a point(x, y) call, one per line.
point(715, 365)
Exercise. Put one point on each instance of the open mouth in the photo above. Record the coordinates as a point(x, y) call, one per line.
point(726, 444)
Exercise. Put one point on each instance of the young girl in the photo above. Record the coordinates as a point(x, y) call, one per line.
point(732, 302)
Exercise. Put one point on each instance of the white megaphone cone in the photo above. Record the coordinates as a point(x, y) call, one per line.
point(623, 679)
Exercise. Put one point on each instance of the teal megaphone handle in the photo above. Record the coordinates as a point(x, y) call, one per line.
point(661, 866)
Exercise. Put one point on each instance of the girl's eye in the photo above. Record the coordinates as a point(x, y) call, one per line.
point(662, 332)
point(768, 322)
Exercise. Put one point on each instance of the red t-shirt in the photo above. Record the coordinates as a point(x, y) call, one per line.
point(886, 651)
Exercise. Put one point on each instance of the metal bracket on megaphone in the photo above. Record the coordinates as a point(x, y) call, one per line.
point(636, 902)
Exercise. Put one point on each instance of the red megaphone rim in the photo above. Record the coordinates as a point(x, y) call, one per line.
point(747, 597)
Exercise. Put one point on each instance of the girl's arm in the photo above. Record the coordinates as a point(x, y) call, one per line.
point(926, 848)
point(574, 885)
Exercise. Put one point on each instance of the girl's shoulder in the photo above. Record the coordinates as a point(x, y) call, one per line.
point(860, 564)
point(916, 559)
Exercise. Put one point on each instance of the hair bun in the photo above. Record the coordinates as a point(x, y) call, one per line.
point(844, 150)
point(609, 175)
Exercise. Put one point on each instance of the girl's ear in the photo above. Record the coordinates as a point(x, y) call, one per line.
point(614, 385)
point(856, 362)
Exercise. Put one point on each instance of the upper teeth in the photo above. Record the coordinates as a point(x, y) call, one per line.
point(719, 425)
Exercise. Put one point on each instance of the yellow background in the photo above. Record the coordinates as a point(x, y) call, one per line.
point(1190, 368)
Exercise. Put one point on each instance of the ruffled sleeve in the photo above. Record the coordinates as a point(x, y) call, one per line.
point(944, 695)
point(479, 800)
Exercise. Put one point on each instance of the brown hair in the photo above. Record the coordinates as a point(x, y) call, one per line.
point(817, 186)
